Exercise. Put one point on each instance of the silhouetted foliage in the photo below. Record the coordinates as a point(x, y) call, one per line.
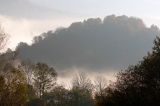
point(3, 38)
point(13, 87)
point(59, 96)
point(44, 78)
point(35, 102)
point(81, 92)
point(138, 85)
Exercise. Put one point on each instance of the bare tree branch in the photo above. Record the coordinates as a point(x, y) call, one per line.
point(3, 38)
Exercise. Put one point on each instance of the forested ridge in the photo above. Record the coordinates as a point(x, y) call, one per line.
point(94, 44)
point(28, 83)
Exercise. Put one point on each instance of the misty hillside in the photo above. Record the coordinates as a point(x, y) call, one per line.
point(94, 44)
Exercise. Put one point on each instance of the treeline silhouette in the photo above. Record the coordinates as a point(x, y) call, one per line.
point(138, 85)
point(23, 83)
point(94, 44)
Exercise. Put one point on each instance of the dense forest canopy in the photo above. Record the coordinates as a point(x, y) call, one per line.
point(93, 45)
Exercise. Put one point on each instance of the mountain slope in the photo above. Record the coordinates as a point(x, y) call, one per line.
point(94, 45)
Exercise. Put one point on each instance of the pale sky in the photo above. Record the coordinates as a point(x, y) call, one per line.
point(23, 19)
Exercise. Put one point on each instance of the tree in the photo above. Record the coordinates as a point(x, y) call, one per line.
point(59, 96)
point(100, 84)
point(13, 87)
point(44, 78)
point(139, 84)
point(35, 102)
point(37, 39)
point(3, 38)
point(82, 81)
point(81, 93)
point(101, 92)
point(105, 98)
point(28, 68)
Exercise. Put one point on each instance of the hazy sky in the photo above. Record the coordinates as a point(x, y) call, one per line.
point(23, 19)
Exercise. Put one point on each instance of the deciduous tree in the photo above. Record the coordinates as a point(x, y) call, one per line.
point(44, 78)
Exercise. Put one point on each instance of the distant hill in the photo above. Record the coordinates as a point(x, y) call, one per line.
point(94, 44)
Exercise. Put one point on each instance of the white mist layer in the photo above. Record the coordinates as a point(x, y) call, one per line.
point(65, 77)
